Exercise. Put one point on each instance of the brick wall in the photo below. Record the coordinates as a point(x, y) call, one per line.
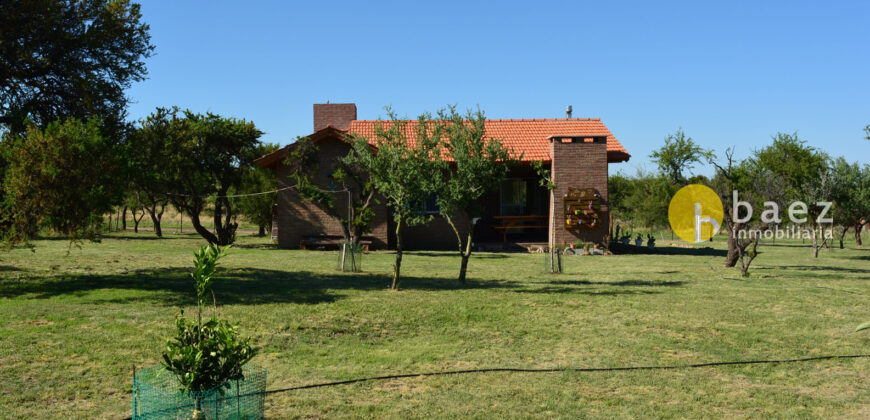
point(436, 235)
point(578, 163)
point(337, 115)
point(298, 217)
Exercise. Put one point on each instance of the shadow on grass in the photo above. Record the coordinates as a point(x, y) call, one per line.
point(245, 286)
point(265, 247)
point(255, 286)
point(8, 268)
point(453, 254)
point(818, 268)
point(621, 249)
point(625, 287)
point(623, 283)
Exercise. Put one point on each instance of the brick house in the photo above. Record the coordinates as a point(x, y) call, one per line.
point(578, 151)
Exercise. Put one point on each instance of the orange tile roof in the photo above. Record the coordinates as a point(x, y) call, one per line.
point(527, 136)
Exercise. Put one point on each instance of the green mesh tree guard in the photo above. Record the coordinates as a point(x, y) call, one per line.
point(350, 258)
point(157, 395)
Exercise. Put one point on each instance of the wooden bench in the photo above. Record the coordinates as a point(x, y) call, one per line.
point(508, 223)
point(328, 241)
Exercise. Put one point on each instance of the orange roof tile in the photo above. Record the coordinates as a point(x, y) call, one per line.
point(527, 136)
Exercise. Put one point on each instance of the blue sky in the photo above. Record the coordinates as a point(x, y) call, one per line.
point(729, 74)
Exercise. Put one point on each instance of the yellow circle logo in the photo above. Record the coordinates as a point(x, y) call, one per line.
point(695, 213)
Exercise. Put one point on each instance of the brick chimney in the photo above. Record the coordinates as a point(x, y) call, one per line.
point(577, 162)
point(337, 115)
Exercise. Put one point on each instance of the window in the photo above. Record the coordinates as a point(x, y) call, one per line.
point(513, 193)
point(430, 206)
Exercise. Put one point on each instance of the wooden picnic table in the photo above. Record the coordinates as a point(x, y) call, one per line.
point(508, 223)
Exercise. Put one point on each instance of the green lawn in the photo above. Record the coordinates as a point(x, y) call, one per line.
point(74, 321)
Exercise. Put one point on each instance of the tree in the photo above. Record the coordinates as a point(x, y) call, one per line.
point(817, 190)
point(151, 153)
point(679, 154)
point(619, 189)
point(867, 131)
point(133, 203)
point(650, 198)
point(474, 166)
point(346, 180)
point(554, 258)
point(790, 158)
point(258, 208)
point(69, 58)
point(62, 178)
point(400, 169)
point(804, 171)
point(210, 154)
point(851, 195)
point(206, 354)
point(753, 186)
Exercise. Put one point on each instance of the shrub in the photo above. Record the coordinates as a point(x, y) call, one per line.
point(204, 355)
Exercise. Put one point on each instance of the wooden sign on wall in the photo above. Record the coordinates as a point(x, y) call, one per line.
point(583, 208)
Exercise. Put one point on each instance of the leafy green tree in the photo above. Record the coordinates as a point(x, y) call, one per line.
point(69, 58)
point(851, 195)
point(802, 168)
point(400, 169)
point(346, 180)
point(648, 203)
point(137, 211)
point(679, 154)
point(472, 166)
point(790, 158)
point(151, 153)
point(209, 157)
point(816, 190)
point(258, 208)
point(62, 178)
point(619, 189)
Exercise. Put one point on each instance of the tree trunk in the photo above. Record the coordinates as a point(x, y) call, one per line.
point(746, 258)
point(226, 231)
point(464, 248)
point(843, 235)
point(463, 265)
point(733, 250)
point(815, 244)
point(156, 220)
point(398, 265)
point(205, 233)
point(262, 231)
point(137, 219)
point(155, 215)
point(124, 218)
point(858, 228)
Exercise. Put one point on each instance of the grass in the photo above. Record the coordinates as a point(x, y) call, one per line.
point(73, 322)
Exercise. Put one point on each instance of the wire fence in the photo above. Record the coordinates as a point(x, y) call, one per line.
point(157, 395)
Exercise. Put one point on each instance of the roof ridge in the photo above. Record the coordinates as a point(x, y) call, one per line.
point(505, 119)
